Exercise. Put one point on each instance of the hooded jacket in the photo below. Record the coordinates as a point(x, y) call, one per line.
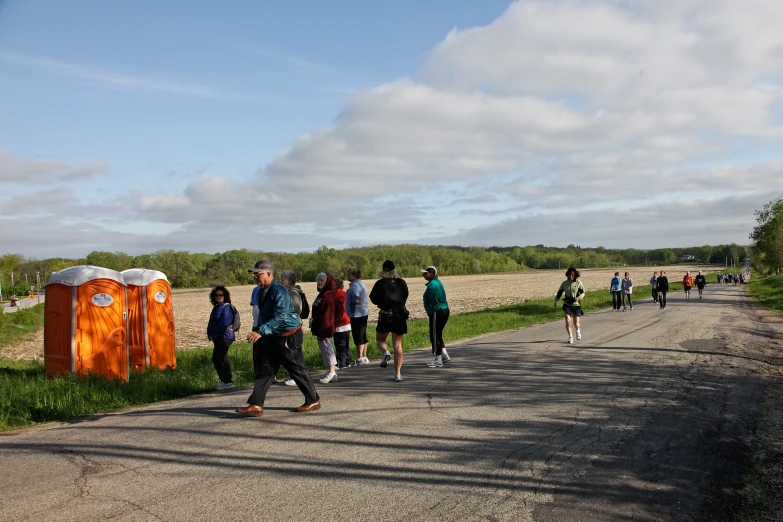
point(322, 310)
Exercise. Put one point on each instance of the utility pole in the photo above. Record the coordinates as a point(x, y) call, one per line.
point(1, 287)
point(38, 285)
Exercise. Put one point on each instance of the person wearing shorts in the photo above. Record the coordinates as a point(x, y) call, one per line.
point(687, 284)
point(701, 282)
point(358, 310)
point(389, 294)
point(572, 307)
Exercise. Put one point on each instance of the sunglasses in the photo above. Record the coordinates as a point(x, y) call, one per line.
point(218, 295)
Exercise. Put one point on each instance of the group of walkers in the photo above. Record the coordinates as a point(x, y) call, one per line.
point(279, 308)
point(735, 279)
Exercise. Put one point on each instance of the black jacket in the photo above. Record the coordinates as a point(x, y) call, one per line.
point(663, 284)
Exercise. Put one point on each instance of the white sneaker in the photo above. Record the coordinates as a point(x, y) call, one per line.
point(578, 334)
point(290, 382)
point(397, 377)
point(445, 357)
point(330, 377)
point(365, 360)
point(570, 340)
point(436, 363)
point(385, 360)
point(224, 385)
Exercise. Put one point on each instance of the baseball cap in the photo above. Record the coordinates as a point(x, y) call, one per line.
point(430, 269)
point(263, 266)
point(388, 266)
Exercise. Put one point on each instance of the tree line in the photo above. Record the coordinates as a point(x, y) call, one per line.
point(198, 270)
point(767, 237)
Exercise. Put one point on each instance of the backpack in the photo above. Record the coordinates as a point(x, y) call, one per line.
point(305, 306)
point(236, 323)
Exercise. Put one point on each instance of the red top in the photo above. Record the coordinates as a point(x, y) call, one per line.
point(340, 302)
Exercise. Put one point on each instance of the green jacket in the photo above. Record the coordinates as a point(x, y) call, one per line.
point(434, 297)
point(572, 291)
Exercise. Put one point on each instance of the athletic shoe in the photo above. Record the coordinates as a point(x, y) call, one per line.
point(397, 377)
point(445, 358)
point(290, 382)
point(435, 363)
point(225, 386)
point(623, 309)
point(365, 360)
point(570, 340)
point(330, 377)
point(385, 361)
point(632, 308)
point(578, 335)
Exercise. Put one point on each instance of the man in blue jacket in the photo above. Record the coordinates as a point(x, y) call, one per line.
point(277, 320)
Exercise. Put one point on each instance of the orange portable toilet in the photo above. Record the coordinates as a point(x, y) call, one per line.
point(85, 323)
point(150, 319)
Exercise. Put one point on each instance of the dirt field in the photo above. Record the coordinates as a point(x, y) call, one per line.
point(465, 294)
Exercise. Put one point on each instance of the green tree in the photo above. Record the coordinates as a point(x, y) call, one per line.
point(767, 236)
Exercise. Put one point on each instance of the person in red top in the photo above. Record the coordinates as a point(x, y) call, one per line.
point(342, 327)
point(687, 284)
point(322, 314)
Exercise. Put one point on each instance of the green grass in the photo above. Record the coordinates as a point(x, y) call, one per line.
point(28, 397)
point(767, 291)
point(16, 325)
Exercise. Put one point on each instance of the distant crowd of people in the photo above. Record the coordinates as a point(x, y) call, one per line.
point(335, 316)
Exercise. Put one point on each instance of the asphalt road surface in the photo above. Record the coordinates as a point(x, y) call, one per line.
point(648, 417)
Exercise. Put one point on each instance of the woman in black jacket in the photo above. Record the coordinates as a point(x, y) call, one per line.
point(389, 294)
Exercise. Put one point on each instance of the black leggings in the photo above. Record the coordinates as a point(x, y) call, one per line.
point(617, 299)
point(627, 296)
point(220, 359)
point(438, 322)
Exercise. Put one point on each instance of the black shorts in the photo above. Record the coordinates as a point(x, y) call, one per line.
point(686, 287)
point(391, 323)
point(359, 330)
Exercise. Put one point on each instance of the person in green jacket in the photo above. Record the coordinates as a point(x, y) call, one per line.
point(572, 307)
point(438, 311)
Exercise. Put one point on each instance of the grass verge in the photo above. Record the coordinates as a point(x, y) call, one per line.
point(28, 397)
point(767, 291)
point(15, 326)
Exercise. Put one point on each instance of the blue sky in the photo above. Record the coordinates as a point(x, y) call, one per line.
point(135, 126)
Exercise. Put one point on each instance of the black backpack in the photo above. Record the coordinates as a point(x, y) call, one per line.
point(305, 306)
point(236, 323)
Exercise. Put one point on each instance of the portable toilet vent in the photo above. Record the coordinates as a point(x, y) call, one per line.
point(150, 319)
point(85, 323)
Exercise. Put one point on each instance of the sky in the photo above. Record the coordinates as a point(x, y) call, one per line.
point(135, 126)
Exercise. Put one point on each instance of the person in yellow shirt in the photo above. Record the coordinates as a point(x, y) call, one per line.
point(687, 284)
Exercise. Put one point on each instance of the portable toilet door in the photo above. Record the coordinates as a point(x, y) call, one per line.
point(151, 339)
point(85, 323)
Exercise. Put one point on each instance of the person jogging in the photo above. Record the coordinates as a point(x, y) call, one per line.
point(663, 289)
point(572, 307)
point(687, 284)
point(616, 290)
point(438, 311)
point(701, 282)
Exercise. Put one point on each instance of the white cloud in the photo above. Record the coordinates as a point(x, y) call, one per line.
point(33, 172)
point(560, 120)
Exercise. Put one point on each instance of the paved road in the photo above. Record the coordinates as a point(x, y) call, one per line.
point(24, 302)
point(647, 418)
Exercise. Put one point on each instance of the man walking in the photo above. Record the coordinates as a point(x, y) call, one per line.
point(277, 321)
point(700, 281)
point(663, 289)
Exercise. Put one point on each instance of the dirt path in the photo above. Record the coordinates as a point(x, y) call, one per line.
point(649, 417)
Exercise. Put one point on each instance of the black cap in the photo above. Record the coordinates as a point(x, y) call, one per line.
point(263, 266)
point(388, 266)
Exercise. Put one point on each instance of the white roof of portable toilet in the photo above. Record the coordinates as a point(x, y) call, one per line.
point(78, 275)
point(142, 276)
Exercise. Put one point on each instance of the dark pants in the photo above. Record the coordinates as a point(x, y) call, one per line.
point(617, 299)
point(662, 299)
point(269, 354)
point(220, 359)
point(438, 322)
point(342, 348)
point(655, 294)
point(627, 296)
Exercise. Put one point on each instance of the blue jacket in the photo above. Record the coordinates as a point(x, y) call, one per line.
point(615, 284)
point(276, 314)
point(220, 321)
point(356, 303)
